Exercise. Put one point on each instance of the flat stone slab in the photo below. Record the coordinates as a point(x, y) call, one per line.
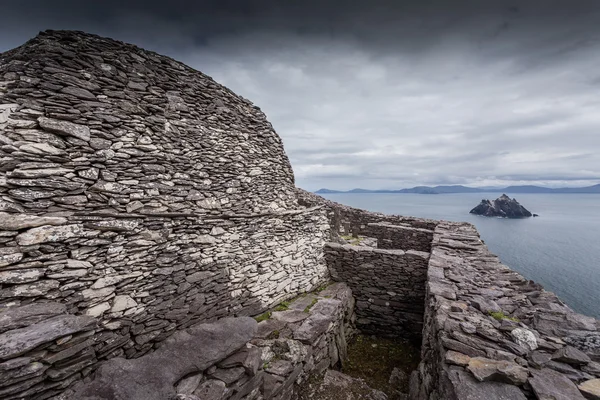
point(15, 222)
point(591, 389)
point(467, 387)
point(549, 384)
point(17, 317)
point(65, 128)
point(154, 376)
point(19, 341)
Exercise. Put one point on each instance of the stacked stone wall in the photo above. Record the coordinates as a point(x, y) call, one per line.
point(490, 333)
point(236, 358)
point(389, 286)
point(400, 237)
point(347, 220)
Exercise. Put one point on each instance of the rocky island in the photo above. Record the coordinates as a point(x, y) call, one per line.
point(503, 206)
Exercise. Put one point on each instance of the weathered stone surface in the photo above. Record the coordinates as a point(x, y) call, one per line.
point(18, 341)
point(571, 355)
point(466, 387)
point(524, 338)
point(145, 378)
point(211, 389)
point(122, 302)
point(21, 276)
point(50, 234)
point(456, 358)
point(549, 384)
point(591, 389)
point(33, 289)
point(19, 316)
point(189, 384)
point(485, 369)
point(10, 257)
point(65, 128)
point(15, 222)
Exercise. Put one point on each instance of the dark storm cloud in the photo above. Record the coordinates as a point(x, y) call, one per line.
point(384, 94)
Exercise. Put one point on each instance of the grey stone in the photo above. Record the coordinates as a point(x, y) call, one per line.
point(122, 303)
point(15, 222)
point(456, 358)
point(65, 128)
point(29, 314)
point(34, 289)
point(485, 369)
point(591, 389)
point(592, 368)
point(524, 338)
point(10, 258)
point(78, 92)
point(571, 355)
point(312, 328)
point(280, 367)
point(549, 384)
point(145, 378)
point(21, 276)
point(229, 375)
point(211, 389)
point(45, 234)
point(19, 341)
point(188, 384)
point(39, 173)
point(485, 305)
point(466, 387)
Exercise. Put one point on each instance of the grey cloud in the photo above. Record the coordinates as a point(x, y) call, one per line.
point(384, 94)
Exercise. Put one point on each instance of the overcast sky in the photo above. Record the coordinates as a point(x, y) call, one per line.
point(383, 94)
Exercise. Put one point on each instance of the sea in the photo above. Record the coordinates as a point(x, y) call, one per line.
point(559, 249)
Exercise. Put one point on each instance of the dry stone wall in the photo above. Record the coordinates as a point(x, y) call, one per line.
point(137, 198)
point(345, 220)
point(389, 286)
point(235, 358)
point(390, 236)
point(491, 334)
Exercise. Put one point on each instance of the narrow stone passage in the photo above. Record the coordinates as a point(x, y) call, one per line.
point(384, 364)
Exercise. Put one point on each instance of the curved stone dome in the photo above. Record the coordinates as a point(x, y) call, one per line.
point(93, 123)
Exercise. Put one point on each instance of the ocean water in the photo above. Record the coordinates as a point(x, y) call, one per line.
point(560, 249)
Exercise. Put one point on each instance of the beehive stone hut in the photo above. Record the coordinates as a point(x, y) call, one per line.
point(137, 197)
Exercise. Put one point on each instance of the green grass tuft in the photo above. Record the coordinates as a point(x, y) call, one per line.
point(308, 307)
point(284, 306)
point(263, 317)
point(499, 316)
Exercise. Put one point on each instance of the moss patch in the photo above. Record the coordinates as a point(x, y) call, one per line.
point(373, 359)
point(263, 317)
point(499, 315)
point(284, 306)
point(308, 307)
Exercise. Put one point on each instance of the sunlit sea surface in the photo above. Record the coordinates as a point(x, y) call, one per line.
point(560, 249)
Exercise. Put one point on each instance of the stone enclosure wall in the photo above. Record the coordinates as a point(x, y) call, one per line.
point(137, 197)
point(235, 358)
point(491, 334)
point(389, 286)
point(403, 237)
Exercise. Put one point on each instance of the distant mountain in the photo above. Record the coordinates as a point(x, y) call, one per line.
point(465, 189)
